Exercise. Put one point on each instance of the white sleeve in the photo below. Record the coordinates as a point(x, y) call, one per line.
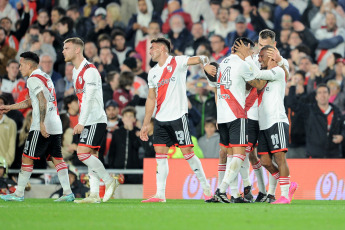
point(35, 85)
point(182, 60)
point(271, 75)
point(150, 80)
point(91, 76)
point(246, 72)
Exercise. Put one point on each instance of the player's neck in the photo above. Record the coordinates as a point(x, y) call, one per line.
point(32, 70)
point(77, 61)
point(323, 107)
point(163, 59)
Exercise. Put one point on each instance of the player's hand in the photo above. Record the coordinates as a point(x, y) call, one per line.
point(337, 139)
point(210, 69)
point(242, 49)
point(43, 130)
point(4, 109)
point(271, 64)
point(78, 129)
point(274, 54)
point(143, 133)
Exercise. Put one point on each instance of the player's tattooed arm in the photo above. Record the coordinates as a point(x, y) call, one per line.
point(42, 105)
point(204, 60)
point(257, 83)
point(21, 105)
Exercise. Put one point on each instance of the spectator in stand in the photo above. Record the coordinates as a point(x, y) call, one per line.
point(247, 7)
point(64, 86)
point(298, 52)
point(113, 17)
point(67, 148)
point(6, 52)
point(336, 97)
point(323, 123)
point(209, 143)
point(340, 73)
point(178, 34)
point(143, 46)
point(10, 80)
point(104, 41)
point(329, 72)
point(108, 62)
point(219, 50)
point(14, 36)
point(100, 25)
point(174, 8)
point(283, 45)
point(204, 102)
point(123, 95)
point(227, 3)
point(330, 30)
point(81, 24)
point(124, 147)
point(320, 19)
point(56, 14)
point(266, 14)
point(137, 27)
point(222, 25)
point(310, 12)
point(111, 84)
point(6, 10)
point(198, 38)
point(241, 31)
point(72, 108)
point(215, 5)
point(199, 10)
point(7, 135)
point(286, 22)
point(138, 71)
point(65, 28)
point(118, 39)
point(91, 52)
point(42, 20)
point(284, 7)
point(46, 64)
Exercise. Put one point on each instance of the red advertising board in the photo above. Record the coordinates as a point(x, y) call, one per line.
point(318, 179)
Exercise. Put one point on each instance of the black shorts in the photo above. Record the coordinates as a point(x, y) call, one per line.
point(253, 134)
point(233, 134)
point(168, 133)
point(274, 139)
point(92, 135)
point(37, 146)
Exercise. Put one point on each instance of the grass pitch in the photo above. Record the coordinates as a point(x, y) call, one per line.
point(175, 214)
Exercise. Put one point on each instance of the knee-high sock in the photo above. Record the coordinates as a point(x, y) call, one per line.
point(221, 172)
point(62, 171)
point(161, 174)
point(23, 178)
point(195, 164)
point(96, 165)
point(232, 171)
point(234, 188)
point(273, 180)
point(284, 186)
point(94, 181)
point(259, 173)
point(244, 171)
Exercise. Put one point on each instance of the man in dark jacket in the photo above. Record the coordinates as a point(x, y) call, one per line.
point(112, 84)
point(323, 123)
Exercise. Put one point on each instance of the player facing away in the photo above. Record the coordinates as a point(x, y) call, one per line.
point(167, 83)
point(92, 121)
point(45, 133)
point(273, 122)
point(232, 76)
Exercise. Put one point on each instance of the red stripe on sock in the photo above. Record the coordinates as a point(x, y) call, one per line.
point(276, 175)
point(240, 156)
point(257, 165)
point(188, 156)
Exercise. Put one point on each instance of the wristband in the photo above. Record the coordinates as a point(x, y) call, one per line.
point(204, 60)
point(281, 63)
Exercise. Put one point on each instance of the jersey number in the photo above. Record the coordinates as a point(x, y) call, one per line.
point(225, 80)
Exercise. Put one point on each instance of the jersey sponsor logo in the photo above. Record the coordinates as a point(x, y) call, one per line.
point(224, 96)
point(274, 72)
point(84, 134)
point(78, 91)
point(180, 136)
point(165, 81)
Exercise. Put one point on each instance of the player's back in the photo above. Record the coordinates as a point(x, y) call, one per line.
point(231, 86)
point(37, 82)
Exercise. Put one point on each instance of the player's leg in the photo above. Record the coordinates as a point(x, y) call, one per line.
point(94, 179)
point(244, 171)
point(259, 173)
point(62, 171)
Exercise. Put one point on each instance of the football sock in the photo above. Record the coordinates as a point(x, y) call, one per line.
point(62, 171)
point(195, 164)
point(94, 181)
point(96, 165)
point(221, 172)
point(244, 171)
point(273, 180)
point(162, 174)
point(284, 186)
point(23, 179)
point(232, 171)
point(234, 188)
point(259, 173)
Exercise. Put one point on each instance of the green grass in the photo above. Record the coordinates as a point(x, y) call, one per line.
point(175, 214)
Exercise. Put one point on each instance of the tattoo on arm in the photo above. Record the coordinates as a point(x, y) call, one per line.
point(42, 105)
point(256, 83)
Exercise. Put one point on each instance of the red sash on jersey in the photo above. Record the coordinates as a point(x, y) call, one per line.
point(165, 80)
point(251, 98)
point(51, 90)
point(234, 105)
point(79, 85)
point(261, 94)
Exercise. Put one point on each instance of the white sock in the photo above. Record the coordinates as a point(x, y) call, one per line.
point(244, 171)
point(96, 165)
point(94, 182)
point(259, 173)
point(284, 186)
point(234, 188)
point(195, 164)
point(273, 180)
point(221, 172)
point(62, 171)
point(162, 174)
point(23, 179)
point(232, 171)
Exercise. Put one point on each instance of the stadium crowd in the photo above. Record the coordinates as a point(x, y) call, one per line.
point(310, 34)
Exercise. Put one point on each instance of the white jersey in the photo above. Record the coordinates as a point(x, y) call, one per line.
point(271, 98)
point(169, 81)
point(251, 106)
point(257, 63)
point(233, 73)
point(40, 81)
point(88, 86)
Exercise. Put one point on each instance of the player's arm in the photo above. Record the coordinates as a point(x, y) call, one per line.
point(149, 108)
point(21, 105)
point(257, 83)
point(275, 55)
point(249, 77)
point(42, 105)
point(269, 75)
point(204, 60)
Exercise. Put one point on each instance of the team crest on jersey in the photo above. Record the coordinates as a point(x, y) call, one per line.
point(267, 88)
point(169, 68)
point(80, 80)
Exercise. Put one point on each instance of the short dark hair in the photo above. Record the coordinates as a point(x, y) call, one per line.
point(110, 76)
point(4, 18)
point(126, 79)
point(116, 33)
point(266, 33)
point(267, 47)
point(219, 36)
point(31, 56)
point(11, 61)
point(300, 72)
point(303, 48)
point(323, 85)
point(67, 20)
point(245, 41)
point(52, 33)
point(43, 10)
point(210, 120)
point(223, 8)
point(60, 10)
point(73, 8)
point(68, 100)
point(129, 109)
point(163, 41)
point(104, 37)
point(4, 99)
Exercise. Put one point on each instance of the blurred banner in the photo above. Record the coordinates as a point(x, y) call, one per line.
point(318, 179)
